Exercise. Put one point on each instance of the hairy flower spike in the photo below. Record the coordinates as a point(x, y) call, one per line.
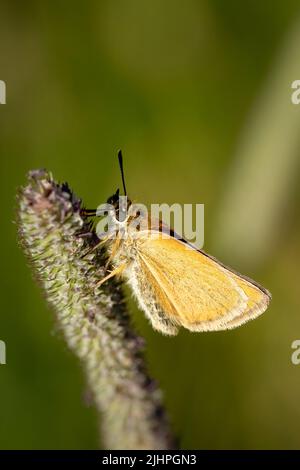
point(94, 320)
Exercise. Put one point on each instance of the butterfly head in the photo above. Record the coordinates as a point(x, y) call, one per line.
point(114, 199)
point(120, 205)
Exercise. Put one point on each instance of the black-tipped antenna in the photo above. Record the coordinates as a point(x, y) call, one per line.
point(120, 157)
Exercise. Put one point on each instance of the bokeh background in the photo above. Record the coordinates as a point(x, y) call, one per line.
point(198, 96)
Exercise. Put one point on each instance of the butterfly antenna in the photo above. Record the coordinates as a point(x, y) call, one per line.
point(120, 157)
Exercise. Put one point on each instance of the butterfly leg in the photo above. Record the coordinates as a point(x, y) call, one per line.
point(113, 252)
point(100, 243)
point(115, 272)
point(88, 212)
point(87, 234)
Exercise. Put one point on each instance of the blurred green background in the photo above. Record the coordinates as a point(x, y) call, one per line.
point(198, 96)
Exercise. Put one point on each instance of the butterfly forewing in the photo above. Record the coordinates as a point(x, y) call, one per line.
point(193, 289)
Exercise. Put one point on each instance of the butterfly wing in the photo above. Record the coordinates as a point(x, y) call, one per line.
point(258, 300)
point(193, 289)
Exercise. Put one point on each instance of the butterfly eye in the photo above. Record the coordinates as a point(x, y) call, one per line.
point(114, 199)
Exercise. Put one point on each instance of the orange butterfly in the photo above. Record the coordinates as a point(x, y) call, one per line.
point(176, 284)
